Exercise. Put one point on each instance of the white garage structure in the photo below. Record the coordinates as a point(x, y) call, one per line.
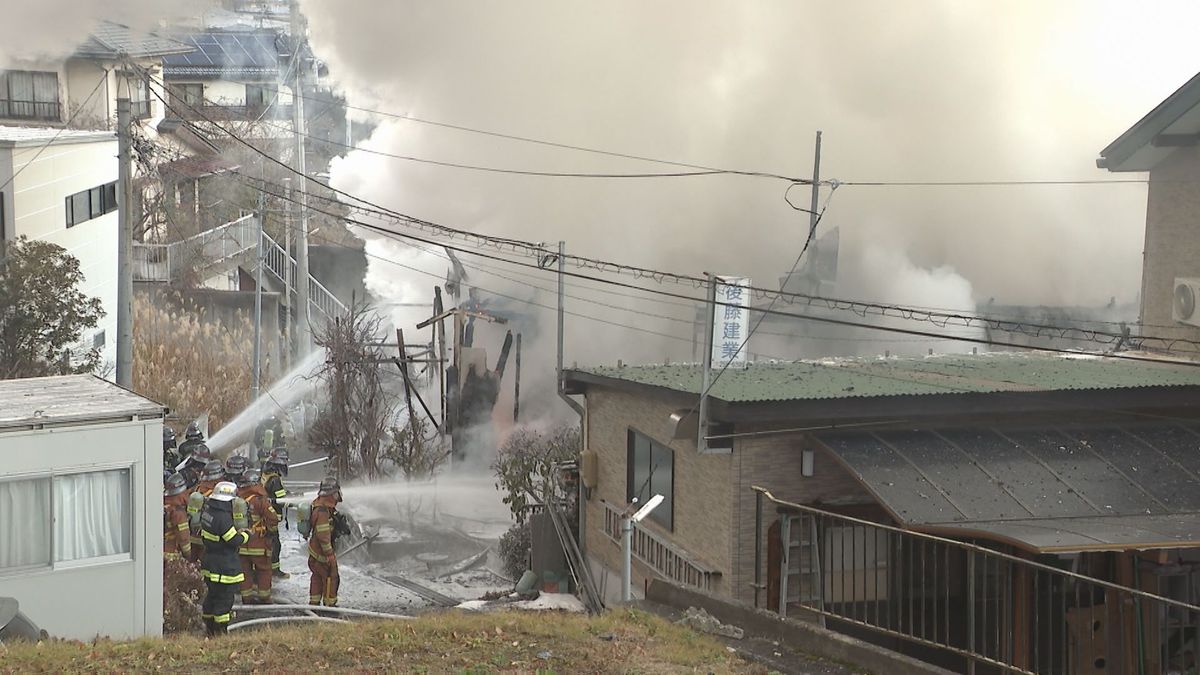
point(81, 506)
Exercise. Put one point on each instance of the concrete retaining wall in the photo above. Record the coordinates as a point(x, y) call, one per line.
point(804, 637)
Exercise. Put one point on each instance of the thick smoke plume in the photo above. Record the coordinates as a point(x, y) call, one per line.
point(928, 91)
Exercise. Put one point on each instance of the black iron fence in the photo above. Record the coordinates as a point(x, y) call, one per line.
point(974, 609)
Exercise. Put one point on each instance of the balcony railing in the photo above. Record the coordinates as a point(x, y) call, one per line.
point(50, 111)
point(218, 248)
point(230, 113)
point(667, 560)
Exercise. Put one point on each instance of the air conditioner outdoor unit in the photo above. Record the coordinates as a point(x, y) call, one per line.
point(1185, 301)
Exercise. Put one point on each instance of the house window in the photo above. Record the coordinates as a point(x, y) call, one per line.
point(24, 523)
point(187, 95)
point(29, 95)
point(139, 98)
point(651, 471)
point(92, 515)
point(93, 203)
point(259, 96)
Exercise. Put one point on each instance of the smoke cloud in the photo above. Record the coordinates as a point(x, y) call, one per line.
point(935, 90)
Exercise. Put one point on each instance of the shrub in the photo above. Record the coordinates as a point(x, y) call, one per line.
point(183, 591)
point(514, 548)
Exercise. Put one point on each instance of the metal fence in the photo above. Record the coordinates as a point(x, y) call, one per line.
point(668, 560)
point(216, 249)
point(974, 609)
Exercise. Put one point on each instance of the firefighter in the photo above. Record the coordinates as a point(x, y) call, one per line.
point(266, 442)
point(171, 457)
point(194, 463)
point(256, 554)
point(213, 473)
point(274, 469)
point(323, 586)
point(177, 541)
point(221, 569)
point(235, 466)
point(192, 437)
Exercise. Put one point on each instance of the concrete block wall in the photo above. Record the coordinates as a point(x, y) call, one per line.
point(1172, 247)
point(703, 484)
point(774, 462)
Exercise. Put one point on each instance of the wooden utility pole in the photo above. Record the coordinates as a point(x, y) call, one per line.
point(124, 246)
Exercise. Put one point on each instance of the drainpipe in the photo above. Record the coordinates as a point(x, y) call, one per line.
point(626, 558)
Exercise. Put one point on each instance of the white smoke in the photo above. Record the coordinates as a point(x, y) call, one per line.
point(938, 90)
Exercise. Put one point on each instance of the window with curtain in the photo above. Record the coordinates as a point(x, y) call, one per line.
point(24, 523)
point(139, 98)
point(29, 95)
point(92, 515)
point(651, 471)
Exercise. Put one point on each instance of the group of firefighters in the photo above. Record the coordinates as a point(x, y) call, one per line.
point(225, 517)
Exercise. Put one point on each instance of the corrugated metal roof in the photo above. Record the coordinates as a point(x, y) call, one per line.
point(1046, 489)
point(865, 378)
point(110, 40)
point(228, 52)
point(69, 398)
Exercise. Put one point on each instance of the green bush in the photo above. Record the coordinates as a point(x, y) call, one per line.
point(514, 548)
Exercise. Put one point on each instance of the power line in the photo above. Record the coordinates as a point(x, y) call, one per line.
point(995, 183)
point(863, 308)
point(773, 312)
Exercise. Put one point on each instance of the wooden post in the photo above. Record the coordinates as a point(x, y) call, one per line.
point(412, 414)
point(441, 349)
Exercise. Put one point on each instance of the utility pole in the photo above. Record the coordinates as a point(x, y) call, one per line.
point(710, 318)
point(562, 248)
point(813, 217)
point(124, 247)
point(303, 332)
point(258, 280)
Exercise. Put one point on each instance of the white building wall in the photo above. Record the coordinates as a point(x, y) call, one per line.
point(80, 600)
point(38, 198)
point(229, 92)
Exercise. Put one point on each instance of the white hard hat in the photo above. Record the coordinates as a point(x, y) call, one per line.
point(224, 491)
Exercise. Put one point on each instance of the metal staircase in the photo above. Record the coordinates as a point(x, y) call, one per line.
point(218, 249)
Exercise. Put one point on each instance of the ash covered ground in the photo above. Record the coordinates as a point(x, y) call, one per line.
point(424, 533)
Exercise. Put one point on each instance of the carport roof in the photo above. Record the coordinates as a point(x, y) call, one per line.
point(1047, 489)
point(47, 401)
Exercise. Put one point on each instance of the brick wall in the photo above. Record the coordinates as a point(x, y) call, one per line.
point(703, 483)
point(1172, 246)
point(773, 462)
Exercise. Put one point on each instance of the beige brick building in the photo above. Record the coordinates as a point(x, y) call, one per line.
point(881, 437)
point(1166, 144)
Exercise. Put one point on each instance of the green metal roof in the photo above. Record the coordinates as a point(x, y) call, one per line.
point(864, 378)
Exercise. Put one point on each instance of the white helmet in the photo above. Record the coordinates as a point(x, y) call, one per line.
point(224, 492)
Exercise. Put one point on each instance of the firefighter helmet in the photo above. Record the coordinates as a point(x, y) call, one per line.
point(213, 470)
point(251, 476)
point(174, 484)
point(329, 486)
point(278, 461)
point(193, 431)
point(235, 466)
point(201, 453)
point(168, 437)
point(224, 492)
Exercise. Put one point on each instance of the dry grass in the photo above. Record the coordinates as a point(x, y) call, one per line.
point(192, 363)
point(622, 641)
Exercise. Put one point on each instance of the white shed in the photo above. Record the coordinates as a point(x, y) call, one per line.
point(81, 505)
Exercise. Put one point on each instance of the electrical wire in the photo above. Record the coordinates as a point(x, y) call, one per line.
point(862, 308)
point(773, 312)
point(67, 125)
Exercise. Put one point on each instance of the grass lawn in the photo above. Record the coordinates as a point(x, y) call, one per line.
point(621, 641)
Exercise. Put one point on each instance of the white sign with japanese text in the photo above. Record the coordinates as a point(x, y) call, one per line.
point(731, 322)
